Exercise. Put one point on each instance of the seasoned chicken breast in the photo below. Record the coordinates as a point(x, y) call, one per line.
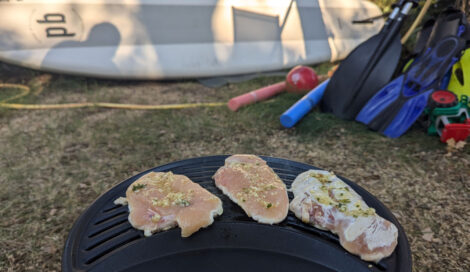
point(160, 201)
point(252, 184)
point(326, 202)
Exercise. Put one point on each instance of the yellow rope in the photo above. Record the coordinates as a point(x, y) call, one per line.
point(26, 90)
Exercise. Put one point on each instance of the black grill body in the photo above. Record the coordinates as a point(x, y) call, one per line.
point(102, 239)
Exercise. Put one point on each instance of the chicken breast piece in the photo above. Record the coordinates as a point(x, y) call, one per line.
point(160, 201)
point(326, 202)
point(248, 181)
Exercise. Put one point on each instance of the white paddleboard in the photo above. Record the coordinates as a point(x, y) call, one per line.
point(156, 39)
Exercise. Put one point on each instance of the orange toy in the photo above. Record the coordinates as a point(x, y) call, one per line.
point(300, 79)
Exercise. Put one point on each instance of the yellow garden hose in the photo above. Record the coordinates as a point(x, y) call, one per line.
point(25, 90)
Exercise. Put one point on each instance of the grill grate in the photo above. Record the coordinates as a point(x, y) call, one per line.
point(103, 233)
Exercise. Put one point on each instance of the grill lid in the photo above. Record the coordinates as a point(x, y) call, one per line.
point(102, 239)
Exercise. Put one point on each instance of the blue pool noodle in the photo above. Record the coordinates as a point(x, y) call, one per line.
point(290, 117)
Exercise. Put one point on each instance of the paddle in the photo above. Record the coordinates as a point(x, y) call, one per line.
point(367, 68)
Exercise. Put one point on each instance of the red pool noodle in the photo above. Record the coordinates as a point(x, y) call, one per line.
point(257, 95)
point(300, 79)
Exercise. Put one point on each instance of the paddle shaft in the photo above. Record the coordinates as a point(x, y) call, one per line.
point(383, 45)
point(418, 19)
point(354, 71)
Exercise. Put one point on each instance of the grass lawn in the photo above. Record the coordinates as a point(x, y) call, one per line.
point(55, 163)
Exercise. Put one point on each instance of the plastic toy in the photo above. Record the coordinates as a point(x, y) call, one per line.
point(290, 117)
point(460, 79)
point(300, 79)
point(459, 132)
point(448, 118)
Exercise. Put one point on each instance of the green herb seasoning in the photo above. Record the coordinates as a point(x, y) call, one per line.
point(183, 202)
point(137, 187)
point(269, 205)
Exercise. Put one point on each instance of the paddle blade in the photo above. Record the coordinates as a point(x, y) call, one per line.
point(343, 96)
point(380, 76)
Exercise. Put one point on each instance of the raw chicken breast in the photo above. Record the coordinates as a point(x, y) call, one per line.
point(326, 202)
point(160, 201)
point(252, 184)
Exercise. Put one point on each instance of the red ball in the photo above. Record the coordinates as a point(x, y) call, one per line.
point(301, 79)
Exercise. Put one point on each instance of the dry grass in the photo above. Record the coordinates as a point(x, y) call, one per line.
point(55, 163)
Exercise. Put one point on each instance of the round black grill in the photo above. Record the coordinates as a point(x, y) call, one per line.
point(103, 240)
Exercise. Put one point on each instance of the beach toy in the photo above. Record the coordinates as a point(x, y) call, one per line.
point(300, 79)
point(445, 111)
point(458, 132)
point(303, 106)
point(460, 77)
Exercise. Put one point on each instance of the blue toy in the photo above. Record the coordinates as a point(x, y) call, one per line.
point(290, 117)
